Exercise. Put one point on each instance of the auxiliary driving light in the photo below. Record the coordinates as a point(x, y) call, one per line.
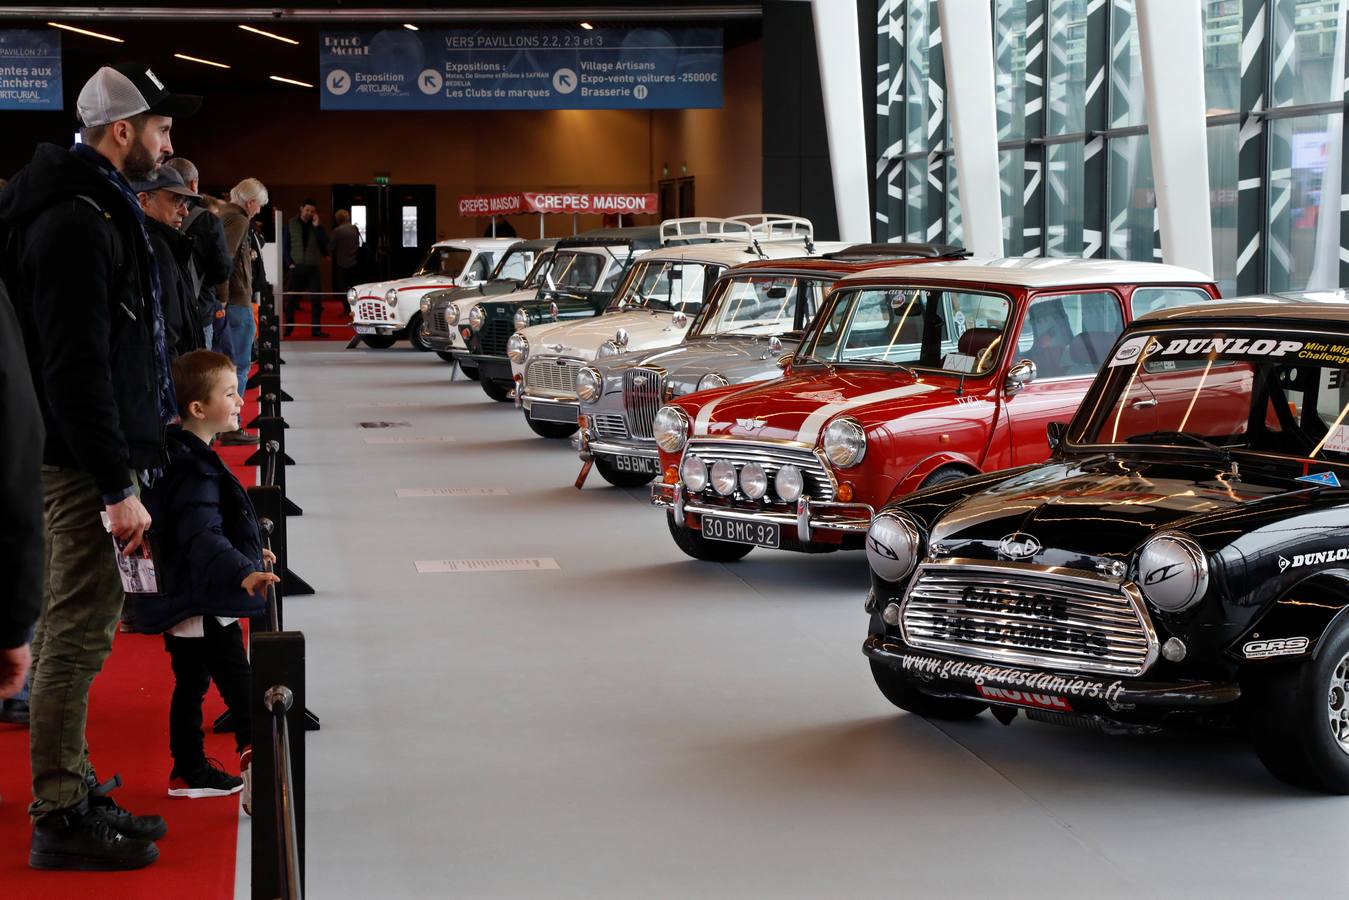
point(693, 471)
point(723, 477)
point(753, 480)
point(789, 483)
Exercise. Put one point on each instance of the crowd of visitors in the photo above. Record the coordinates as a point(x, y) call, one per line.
point(116, 375)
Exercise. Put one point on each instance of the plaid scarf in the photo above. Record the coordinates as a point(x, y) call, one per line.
point(168, 404)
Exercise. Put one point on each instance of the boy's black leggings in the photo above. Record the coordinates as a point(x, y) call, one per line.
point(218, 657)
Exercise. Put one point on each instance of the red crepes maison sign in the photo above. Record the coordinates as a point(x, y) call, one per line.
point(546, 202)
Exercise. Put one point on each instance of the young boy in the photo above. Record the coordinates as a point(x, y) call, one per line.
point(209, 558)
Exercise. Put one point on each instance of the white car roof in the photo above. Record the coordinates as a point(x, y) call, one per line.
point(478, 243)
point(1039, 272)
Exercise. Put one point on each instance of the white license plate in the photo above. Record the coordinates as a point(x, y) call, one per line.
point(363, 329)
point(739, 531)
point(643, 465)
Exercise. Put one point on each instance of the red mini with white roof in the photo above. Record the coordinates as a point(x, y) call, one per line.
point(909, 377)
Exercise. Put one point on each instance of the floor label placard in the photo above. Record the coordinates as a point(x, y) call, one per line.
point(451, 492)
point(511, 564)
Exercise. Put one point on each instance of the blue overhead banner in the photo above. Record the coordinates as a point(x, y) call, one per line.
point(30, 69)
point(535, 68)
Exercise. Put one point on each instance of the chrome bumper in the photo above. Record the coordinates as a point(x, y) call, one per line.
point(810, 515)
point(603, 448)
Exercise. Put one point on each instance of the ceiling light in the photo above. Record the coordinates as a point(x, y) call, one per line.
point(410, 27)
point(290, 81)
point(275, 37)
point(92, 34)
point(587, 26)
point(204, 62)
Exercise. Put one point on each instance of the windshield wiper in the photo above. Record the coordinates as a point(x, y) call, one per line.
point(1189, 436)
point(816, 361)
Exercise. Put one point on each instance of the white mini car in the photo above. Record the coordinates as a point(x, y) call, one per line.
point(652, 309)
point(383, 312)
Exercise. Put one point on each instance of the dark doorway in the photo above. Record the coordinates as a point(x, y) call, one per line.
point(397, 223)
point(676, 198)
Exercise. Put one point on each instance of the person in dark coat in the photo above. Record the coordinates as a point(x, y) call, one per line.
point(210, 563)
point(212, 261)
point(164, 199)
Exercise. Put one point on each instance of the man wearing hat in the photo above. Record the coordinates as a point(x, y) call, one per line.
point(164, 200)
point(86, 288)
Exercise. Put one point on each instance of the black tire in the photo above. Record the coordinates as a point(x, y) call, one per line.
point(446, 355)
point(414, 331)
point(618, 478)
point(944, 475)
point(699, 547)
point(901, 692)
point(378, 341)
point(494, 390)
point(472, 372)
point(1289, 719)
point(552, 430)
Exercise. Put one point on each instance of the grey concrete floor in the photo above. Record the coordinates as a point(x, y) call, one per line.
point(637, 724)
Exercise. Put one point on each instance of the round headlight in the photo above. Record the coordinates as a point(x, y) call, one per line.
point(608, 349)
point(892, 545)
point(521, 320)
point(589, 382)
point(711, 380)
point(476, 316)
point(789, 483)
point(517, 347)
point(391, 296)
point(351, 295)
point(845, 442)
point(753, 480)
point(670, 428)
point(1172, 572)
point(452, 315)
point(693, 472)
point(723, 477)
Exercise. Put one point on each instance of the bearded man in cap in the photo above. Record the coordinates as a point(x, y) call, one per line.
point(86, 288)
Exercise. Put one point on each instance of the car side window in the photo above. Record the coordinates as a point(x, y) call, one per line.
point(482, 267)
point(613, 277)
point(1146, 300)
point(1070, 335)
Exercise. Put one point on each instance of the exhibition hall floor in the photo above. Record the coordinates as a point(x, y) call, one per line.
point(637, 724)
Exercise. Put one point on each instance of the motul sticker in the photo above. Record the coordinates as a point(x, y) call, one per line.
point(1128, 352)
point(1275, 647)
point(1025, 698)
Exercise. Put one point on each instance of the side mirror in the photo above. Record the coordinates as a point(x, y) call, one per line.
point(775, 345)
point(680, 319)
point(1018, 376)
point(1054, 431)
point(785, 360)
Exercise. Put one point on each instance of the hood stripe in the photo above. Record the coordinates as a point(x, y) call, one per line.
point(810, 428)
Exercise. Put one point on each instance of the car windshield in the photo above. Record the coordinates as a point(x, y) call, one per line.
point(763, 305)
point(1228, 390)
point(447, 261)
point(514, 264)
point(666, 285)
point(573, 272)
point(543, 265)
point(922, 327)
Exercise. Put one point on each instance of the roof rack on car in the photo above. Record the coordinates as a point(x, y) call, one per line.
point(898, 249)
point(777, 227)
point(704, 228)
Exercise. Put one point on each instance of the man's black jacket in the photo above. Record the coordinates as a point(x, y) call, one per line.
point(211, 256)
point(80, 280)
point(205, 540)
point(20, 485)
point(182, 319)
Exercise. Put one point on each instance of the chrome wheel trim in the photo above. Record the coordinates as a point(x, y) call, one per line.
point(1338, 704)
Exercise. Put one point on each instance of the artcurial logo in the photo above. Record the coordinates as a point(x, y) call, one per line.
point(1018, 545)
point(750, 424)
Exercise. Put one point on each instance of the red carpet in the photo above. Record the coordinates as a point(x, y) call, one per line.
point(129, 733)
point(335, 321)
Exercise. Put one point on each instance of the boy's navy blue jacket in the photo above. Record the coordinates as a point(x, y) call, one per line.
point(205, 539)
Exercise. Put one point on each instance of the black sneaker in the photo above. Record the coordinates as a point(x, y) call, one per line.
point(80, 838)
point(144, 828)
point(15, 712)
point(208, 780)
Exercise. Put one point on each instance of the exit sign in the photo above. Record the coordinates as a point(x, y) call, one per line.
point(381, 179)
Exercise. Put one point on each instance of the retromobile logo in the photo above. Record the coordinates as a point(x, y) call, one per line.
point(1019, 545)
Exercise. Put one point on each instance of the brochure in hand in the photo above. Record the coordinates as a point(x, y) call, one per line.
point(137, 569)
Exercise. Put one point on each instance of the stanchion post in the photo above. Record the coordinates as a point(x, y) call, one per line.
point(278, 661)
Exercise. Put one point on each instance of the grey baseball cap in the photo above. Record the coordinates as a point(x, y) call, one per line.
point(168, 179)
point(128, 89)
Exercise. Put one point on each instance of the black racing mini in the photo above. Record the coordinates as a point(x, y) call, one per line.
point(1183, 554)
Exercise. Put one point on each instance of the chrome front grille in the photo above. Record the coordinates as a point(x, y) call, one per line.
point(495, 332)
point(1029, 615)
point(434, 322)
point(610, 425)
point(555, 377)
point(373, 311)
point(818, 484)
point(641, 399)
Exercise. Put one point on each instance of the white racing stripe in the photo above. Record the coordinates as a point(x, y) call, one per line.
point(810, 428)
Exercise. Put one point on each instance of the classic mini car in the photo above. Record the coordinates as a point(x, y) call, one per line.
point(910, 377)
point(746, 332)
point(585, 272)
point(383, 312)
point(517, 270)
point(1184, 554)
point(653, 308)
